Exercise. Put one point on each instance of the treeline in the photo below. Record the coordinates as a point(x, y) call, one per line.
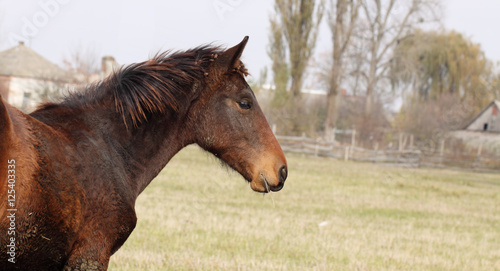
point(382, 53)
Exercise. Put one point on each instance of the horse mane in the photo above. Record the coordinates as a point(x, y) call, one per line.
point(157, 85)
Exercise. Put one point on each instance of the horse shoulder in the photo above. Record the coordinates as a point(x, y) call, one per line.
point(5, 129)
point(5, 138)
point(16, 135)
point(47, 223)
point(18, 159)
point(14, 143)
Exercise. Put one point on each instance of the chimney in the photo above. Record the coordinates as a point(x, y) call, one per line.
point(108, 65)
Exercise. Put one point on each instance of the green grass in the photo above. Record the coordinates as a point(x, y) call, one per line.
point(331, 215)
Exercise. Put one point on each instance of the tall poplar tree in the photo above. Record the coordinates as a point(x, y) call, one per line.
point(298, 22)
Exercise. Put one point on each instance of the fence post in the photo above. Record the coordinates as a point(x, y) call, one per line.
point(273, 128)
point(441, 151)
point(480, 149)
point(353, 142)
point(400, 142)
point(477, 161)
point(346, 153)
point(403, 138)
point(353, 138)
point(441, 147)
point(411, 141)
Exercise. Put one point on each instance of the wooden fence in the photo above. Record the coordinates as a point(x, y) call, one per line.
point(403, 157)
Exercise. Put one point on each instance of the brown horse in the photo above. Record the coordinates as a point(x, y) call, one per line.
point(70, 172)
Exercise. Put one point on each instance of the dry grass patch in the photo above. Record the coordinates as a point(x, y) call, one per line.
point(331, 215)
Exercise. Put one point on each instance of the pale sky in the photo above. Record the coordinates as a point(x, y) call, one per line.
point(131, 31)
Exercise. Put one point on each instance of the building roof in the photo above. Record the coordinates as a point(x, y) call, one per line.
point(493, 103)
point(21, 61)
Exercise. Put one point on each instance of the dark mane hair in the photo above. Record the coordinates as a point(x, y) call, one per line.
point(157, 85)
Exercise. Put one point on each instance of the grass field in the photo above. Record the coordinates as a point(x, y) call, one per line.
point(331, 215)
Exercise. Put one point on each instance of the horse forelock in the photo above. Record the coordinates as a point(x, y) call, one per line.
point(241, 69)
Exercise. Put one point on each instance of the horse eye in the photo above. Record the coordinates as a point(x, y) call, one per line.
point(245, 105)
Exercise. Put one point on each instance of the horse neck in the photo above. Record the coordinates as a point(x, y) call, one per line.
point(151, 146)
point(140, 152)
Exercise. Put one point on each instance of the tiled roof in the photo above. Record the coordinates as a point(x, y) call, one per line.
point(21, 61)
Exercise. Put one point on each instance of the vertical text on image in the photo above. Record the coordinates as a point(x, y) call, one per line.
point(11, 210)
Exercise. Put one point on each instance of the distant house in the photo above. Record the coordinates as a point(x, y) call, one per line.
point(488, 120)
point(27, 78)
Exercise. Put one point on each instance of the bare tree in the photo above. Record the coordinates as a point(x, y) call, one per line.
point(342, 21)
point(83, 62)
point(294, 29)
point(278, 54)
point(385, 23)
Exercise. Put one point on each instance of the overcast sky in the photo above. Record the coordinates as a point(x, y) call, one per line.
point(132, 31)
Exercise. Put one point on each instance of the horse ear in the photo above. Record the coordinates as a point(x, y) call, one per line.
point(229, 59)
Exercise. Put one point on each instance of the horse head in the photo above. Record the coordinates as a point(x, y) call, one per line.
point(229, 123)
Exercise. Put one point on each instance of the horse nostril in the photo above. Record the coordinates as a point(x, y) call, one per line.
point(283, 173)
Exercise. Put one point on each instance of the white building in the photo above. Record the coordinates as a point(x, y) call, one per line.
point(26, 78)
point(488, 120)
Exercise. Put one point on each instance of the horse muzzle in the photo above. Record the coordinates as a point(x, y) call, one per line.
point(266, 181)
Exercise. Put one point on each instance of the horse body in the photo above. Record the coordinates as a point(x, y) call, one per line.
point(80, 164)
point(27, 152)
point(63, 193)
